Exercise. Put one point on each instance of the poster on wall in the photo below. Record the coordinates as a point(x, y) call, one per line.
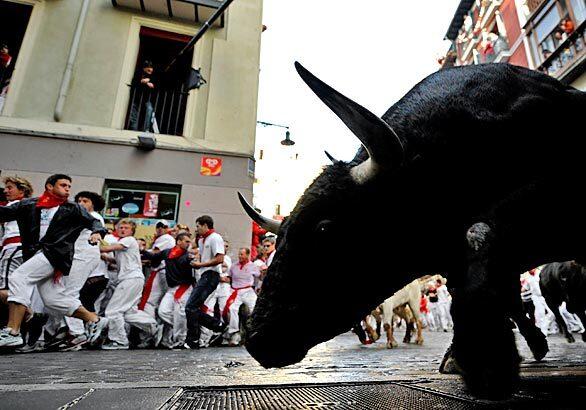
point(151, 204)
point(211, 166)
point(143, 206)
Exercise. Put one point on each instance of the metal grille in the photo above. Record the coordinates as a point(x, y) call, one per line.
point(338, 396)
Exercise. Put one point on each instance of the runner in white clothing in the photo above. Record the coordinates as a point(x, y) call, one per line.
point(123, 306)
point(15, 189)
point(156, 285)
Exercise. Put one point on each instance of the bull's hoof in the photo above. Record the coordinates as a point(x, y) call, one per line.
point(406, 340)
point(419, 342)
point(391, 345)
point(570, 338)
point(449, 366)
point(538, 346)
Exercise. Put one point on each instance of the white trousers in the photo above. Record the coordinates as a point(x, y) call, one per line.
point(172, 313)
point(157, 292)
point(10, 260)
point(123, 308)
point(38, 271)
point(84, 263)
point(244, 296)
point(440, 319)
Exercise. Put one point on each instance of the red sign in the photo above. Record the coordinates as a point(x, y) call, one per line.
point(151, 205)
point(211, 166)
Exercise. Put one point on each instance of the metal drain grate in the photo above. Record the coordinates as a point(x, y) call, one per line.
point(338, 396)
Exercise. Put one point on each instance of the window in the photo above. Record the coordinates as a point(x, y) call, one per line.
point(164, 94)
point(15, 18)
point(145, 203)
point(579, 7)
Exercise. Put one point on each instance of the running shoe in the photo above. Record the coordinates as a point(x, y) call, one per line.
point(7, 339)
point(94, 329)
point(114, 346)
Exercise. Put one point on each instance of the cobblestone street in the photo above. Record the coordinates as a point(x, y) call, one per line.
point(146, 379)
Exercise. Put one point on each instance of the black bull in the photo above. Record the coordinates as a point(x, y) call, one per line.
point(565, 282)
point(462, 176)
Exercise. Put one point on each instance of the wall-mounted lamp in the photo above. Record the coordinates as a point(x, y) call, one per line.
point(287, 141)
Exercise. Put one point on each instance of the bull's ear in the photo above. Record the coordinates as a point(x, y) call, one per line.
point(382, 143)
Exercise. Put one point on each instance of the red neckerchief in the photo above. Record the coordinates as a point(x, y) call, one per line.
point(205, 235)
point(48, 200)
point(115, 235)
point(176, 252)
point(242, 265)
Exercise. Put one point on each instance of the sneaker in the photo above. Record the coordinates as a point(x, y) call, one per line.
point(158, 334)
point(7, 339)
point(73, 343)
point(234, 340)
point(38, 346)
point(114, 346)
point(190, 344)
point(94, 329)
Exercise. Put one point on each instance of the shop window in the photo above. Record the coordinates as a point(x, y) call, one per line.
point(15, 18)
point(166, 95)
point(145, 203)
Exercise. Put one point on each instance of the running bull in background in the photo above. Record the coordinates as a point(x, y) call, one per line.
point(463, 175)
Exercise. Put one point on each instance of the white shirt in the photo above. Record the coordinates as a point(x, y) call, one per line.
point(163, 243)
point(443, 295)
point(47, 215)
point(128, 259)
point(10, 231)
point(209, 248)
point(223, 288)
point(270, 258)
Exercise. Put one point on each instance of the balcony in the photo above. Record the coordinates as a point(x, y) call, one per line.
point(567, 57)
point(534, 5)
point(168, 106)
point(197, 11)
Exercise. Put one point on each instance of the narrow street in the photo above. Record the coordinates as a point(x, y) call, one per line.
point(151, 379)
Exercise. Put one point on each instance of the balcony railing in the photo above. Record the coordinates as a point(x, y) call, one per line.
point(563, 58)
point(168, 106)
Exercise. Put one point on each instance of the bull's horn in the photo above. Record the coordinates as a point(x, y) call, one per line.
point(270, 225)
point(334, 160)
point(382, 143)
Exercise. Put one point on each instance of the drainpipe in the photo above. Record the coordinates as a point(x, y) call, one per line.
point(71, 61)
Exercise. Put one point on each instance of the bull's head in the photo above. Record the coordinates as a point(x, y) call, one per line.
point(322, 278)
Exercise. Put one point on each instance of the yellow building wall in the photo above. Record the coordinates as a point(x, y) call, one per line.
point(221, 115)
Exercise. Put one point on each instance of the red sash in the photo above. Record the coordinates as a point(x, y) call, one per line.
point(231, 300)
point(148, 287)
point(181, 291)
point(14, 239)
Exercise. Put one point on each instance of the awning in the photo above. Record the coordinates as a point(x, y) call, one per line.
point(458, 19)
point(197, 11)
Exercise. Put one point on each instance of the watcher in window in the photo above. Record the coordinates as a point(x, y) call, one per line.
point(142, 85)
point(567, 26)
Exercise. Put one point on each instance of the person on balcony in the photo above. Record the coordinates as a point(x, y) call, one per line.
point(142, 85)
point(567, 26)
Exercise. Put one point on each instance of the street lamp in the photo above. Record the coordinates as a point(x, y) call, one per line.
point(287, 141)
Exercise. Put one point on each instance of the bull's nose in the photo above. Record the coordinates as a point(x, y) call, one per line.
point(272, 351)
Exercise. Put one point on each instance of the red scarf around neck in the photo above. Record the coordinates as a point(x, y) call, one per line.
point(176, 252)
point(205, 235)
point(49, 200)
point(242, 265)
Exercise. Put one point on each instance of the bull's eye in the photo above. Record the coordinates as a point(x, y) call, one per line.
point(324, 227)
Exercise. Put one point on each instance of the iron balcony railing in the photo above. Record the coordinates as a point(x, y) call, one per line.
point(570, 51)
point(168, 106)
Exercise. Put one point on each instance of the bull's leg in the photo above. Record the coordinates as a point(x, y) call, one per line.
point(369, 329)
point(535, 339)
point(419, 339)
point(560, 321)
point(408, 332)
point(448, 364)
point(483, 344)
point(391, 342)
point(582, 316)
